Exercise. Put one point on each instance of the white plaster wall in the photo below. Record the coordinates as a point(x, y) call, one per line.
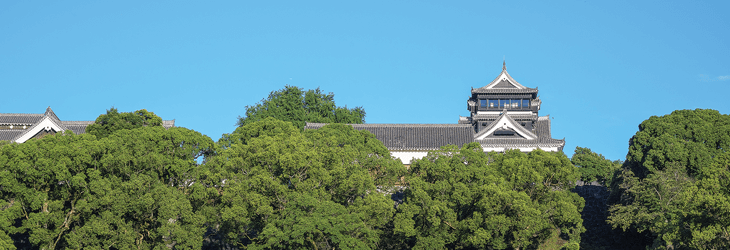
point(407, 156)
point(523, 149)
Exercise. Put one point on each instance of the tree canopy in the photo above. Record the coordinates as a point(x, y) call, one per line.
point(293, 104)
point(135, 188)
point(593, 166)
point(112, 121)
point(465, 199)
point(284, 189)
point(675, 182)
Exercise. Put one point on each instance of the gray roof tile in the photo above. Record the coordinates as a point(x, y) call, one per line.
point(78, 127)
point(9, 134)
point(415, 136)
point(24, 119)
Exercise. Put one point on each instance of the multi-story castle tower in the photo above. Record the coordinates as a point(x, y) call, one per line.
point(504, 115)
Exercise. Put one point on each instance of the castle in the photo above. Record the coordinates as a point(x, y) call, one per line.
point(504, 115)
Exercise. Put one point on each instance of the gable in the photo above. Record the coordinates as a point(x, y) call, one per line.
point(503, 124)
point(46, 124)
point(504, 84)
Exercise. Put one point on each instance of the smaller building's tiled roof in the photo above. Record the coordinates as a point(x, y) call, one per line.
point(53, 119)
point(415, 136)
point(78, 127)
point(22, 119)
point(51, 114)
point(9, 134)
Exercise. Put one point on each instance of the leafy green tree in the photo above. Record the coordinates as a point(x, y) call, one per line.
point(294, 105)
point(674, 184)
point(593, 166)
point(112, 121)
point(283, 189)
point(466, 199)
point(133, 189)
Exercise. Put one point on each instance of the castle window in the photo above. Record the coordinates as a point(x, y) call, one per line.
point(525, 103)
point(516, 104)
point(503, 104)
point(483, 103)
point(504, 133)
point(493, 103)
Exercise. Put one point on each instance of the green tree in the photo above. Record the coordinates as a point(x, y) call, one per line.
point(593, 166)
point(112, 121)
point(466, 199)
point(135, 188)
point(282, 189)
point(6, 243)
point(294, 105)
point(674, 184)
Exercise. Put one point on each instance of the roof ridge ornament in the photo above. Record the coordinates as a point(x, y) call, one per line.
point(504, 64)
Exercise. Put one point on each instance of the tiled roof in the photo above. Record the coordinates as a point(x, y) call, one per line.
point(543, 131)
point(500, 85)
point(504, 84)
point(25, 119)
point(53, 119)
point(513, 116)
point(415, 136)
point(78, 127)
point(500, 91)
point(9, 134)
point(464, 120)
point(512, 142)
point(51, 114)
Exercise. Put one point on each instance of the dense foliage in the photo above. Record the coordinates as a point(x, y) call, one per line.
point(133, 189)
point(112, 121)
point(593, 166)
point(289, 190)
point(465, 199)
point(129, 183)
point(675, 183)
point(294, 105)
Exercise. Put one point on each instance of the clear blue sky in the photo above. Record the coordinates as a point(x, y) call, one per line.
point(602, 67)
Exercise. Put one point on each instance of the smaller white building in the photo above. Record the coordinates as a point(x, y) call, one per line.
point(19, 128)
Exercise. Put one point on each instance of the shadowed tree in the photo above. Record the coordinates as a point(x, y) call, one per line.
point(135, 188)
point(466, 199)
point(593, 166)
point(674, 184)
